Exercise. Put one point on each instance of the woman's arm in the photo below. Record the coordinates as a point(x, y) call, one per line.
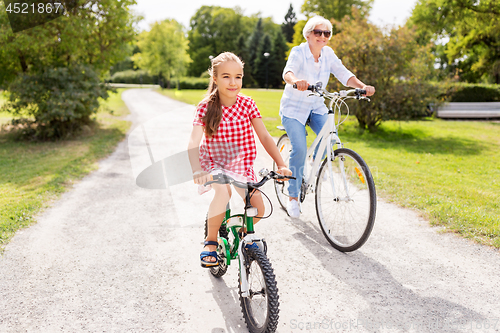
point(270, 146)
point(354, 82)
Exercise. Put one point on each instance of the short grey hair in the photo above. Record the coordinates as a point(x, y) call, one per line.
point(313, 22)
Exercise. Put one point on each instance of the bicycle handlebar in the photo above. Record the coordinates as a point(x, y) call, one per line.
point(310, 87)
point(226, 179)
point(357, 92)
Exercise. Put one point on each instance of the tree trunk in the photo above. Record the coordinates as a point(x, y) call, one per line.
point(24, 66)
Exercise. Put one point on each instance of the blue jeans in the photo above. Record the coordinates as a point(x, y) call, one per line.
point(297, 134)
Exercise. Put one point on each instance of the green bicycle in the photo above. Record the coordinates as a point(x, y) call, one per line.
point(258, 292)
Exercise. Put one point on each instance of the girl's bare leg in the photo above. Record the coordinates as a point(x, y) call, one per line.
point(216, 213)
point(256, 201)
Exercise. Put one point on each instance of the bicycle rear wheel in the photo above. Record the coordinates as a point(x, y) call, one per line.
point(261, 308)
point(346, 211)
point(280, 186)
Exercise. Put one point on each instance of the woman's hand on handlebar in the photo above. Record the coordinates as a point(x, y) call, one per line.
point(283, 170)
point(201, 177)
point(370, 90)
point(302, 85)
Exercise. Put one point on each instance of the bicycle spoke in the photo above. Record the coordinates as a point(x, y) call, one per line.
point(345, 212)
point(260, 308)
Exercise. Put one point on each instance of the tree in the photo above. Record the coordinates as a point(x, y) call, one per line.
point(287, 26)
point(393, 62)
point(241, 48)
point(163, 50)
point(472, 52)
point(262, 62)
point(94, 32)
point(253, 46)
point(336, 9)
point(214, 30)
point(60, 100)
point(298, 37)
point(53, 70)
point(277, 60)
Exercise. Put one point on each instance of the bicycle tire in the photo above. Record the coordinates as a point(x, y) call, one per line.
point(221, 269)
point(281, 187)
point(223, 232)
point(346, 218)
point(263, 294)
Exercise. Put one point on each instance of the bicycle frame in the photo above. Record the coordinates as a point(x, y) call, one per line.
point(234, 249)
point(327, 134)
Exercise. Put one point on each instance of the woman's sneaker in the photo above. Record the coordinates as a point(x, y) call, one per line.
point(293, 208)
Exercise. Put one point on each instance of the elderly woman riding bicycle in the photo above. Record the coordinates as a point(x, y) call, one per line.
point(309, 63)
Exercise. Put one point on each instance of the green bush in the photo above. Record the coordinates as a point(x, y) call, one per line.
point(55, 102)
point(134, 77)
point(193, 83)
point(469, 92)
point(392, 62)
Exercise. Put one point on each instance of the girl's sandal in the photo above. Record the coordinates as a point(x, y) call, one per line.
point(204, 254)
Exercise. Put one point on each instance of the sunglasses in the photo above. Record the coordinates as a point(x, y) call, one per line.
point(318, 33)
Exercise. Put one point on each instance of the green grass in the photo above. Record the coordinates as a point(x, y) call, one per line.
point(447, 170)
point(4, 116)
point(32, 175)
point(188, 96)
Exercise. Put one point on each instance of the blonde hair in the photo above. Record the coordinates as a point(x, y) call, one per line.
point(313, 22)
point(213, 116)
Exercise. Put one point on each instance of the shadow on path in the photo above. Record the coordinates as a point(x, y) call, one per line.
point(227, 299)
point(391, 304)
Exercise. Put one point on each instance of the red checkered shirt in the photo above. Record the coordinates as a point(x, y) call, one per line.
point(232, 149)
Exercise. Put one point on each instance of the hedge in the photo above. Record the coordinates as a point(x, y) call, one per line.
point(136, 77)
point(468, 92)
point(192, 83)
point(131, 76)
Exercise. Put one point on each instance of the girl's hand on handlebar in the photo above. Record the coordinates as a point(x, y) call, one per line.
point(302, 85)
point(201, 177)
point(283, 170)
point(370, 90)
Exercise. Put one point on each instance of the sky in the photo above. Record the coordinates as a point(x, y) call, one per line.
point(383, 12)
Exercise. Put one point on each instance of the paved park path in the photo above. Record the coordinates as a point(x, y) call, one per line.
point(115, 256)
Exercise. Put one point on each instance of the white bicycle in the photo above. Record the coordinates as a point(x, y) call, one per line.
point(344, 190)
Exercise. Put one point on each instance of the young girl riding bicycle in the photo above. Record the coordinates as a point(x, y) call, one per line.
point(225, 120)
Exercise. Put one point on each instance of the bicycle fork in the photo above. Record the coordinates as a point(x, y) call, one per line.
point(242, 259)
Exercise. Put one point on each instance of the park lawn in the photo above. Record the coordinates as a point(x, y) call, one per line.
point(33, 174)
point(4, 116)
point(447, 170)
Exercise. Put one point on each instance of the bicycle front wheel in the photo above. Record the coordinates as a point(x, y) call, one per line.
point(280, 186)
point(261, 307)
point(345, 200)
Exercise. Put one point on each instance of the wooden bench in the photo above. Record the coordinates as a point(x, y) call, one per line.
point(469, 110)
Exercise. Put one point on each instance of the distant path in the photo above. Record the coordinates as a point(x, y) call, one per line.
point(110, 256)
